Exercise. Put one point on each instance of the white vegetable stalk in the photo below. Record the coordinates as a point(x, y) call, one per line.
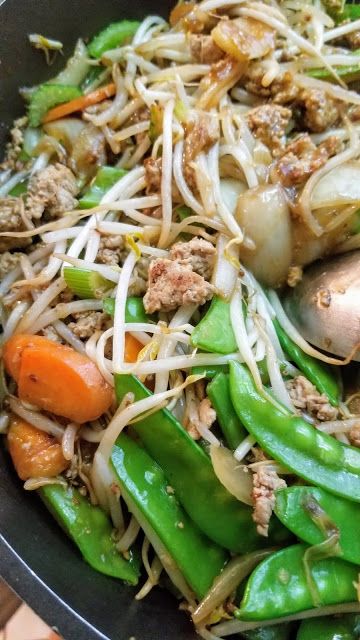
point(239, 329)
point(64, 332)
point(37, 419)
point(276, 380)
point(63, 310)
point(225, 214)
point(119, 316)
point(166, 174)
point(40, 304)
point(241, 155)
point(225, 270)
point(180, 362)
point(244, 447)
point(12, 182)
point(181, 184)
point(13, 275)
point(13, 320)
point(129, 537)
point(104, 365)
point(110, 273)
point(68, 440)
point(92, 246)
point(168, 344)
point(47, 273)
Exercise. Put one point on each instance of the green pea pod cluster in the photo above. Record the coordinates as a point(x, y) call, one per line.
point(219, 393)
point(91, 530)
point(217, 513)
point(174, 536)
point(279, 587)
point(304, 509)
point(289, 439)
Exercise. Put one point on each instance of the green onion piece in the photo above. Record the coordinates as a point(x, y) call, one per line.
point(134, 309)
point(184, 212)
point(86, 283)
point(47, 96)
point(105, 178)
point(19, 189)
point(114, 35)
point(350, 72)
point(350, 12)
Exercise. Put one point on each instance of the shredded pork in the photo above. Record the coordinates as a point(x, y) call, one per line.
point(269, 123)
point(307, 398)
point(11, 219)
point(302, 157)
point(52, 190)
point(265, 482)
point(198, 253)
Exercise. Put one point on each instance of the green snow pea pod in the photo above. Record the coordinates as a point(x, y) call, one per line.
point(47, 96)
point(90, 528)
point(346, 627)
point(176, 539)
point(275, 632)
point(209, 371)
point(105, 178)
point(278, 586)
point(317, 372)
point(134, 309)
point(214, 331)
point(219, 393)
point(311, 454)
point(313, 514)
point(350, 12)
point(189, 471)
point(114, 35)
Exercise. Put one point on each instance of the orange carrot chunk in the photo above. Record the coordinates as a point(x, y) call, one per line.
point(57, 378)
point(81, 103)
point(132, 348)
point(35, 454)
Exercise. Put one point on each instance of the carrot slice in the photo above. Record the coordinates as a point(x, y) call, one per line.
point(132, 348)
point(57, 378)
point(79, 104)
point(34, 453)
point(13, 350)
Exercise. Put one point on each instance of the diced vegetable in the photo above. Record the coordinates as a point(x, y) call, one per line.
point(47, 96)
point(56, 378)
point(132, 348)
point(66, 131)
point(339, 186)
point(79, 102)
point(105, 178)
point(77, 67)
point(91, 530)
point(313, 514)
point(145, 489)
point(114, 35)
point(214, 331)
point(86, 283)
point(34, 453)
point(134, 309)
point(219, 393)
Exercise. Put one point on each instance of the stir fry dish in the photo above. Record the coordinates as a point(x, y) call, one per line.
point(158, 198)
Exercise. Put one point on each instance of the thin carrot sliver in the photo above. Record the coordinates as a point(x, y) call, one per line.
point(79, 104)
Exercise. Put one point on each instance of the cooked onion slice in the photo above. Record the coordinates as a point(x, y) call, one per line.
point(234, 476)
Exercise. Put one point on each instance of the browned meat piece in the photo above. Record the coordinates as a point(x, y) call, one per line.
point(201, 132)
point(152, 168)
point(198, 413)
point(172, 284)
point(307, 398)
point(86, 322)
point(110, 250)
point(266, 482)
point(52, 190)
point(320, 111)
point(244, 38)
point(354, 436)
point(301, 158)
point(14, 146)
point(295, 274)
point(198, 253)
point(204, 50)
point(10, 221)
point(281, 91)
point(268, 123)
point(8, 262)
point(352, 40)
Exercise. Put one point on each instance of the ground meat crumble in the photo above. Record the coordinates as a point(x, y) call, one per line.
point(52, 190)
point(302, 157)
point(306, 397)
point(87, 322)
point(11, 211)
point(198, 253)
point(265, 483)
point(269, 123)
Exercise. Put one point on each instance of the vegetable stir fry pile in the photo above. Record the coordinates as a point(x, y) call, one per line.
point(156, 199)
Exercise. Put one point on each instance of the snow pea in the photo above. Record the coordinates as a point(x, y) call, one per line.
point(210, 371)
point(317, 372)
point(313, 514)
point(219, 393)
point(349, 73)
point(275, 632)
point(278, 585)
point(350, 12)
point(311, 454)
point(134, 309)
point(188, 468)
point(105, 178)
point(345, 627)
point(114, 35)
point(214, 331)
point(175, 537)
point(47, 96)
point(90, 528)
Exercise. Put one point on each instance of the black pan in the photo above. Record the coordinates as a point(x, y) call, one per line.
point(36, 558)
